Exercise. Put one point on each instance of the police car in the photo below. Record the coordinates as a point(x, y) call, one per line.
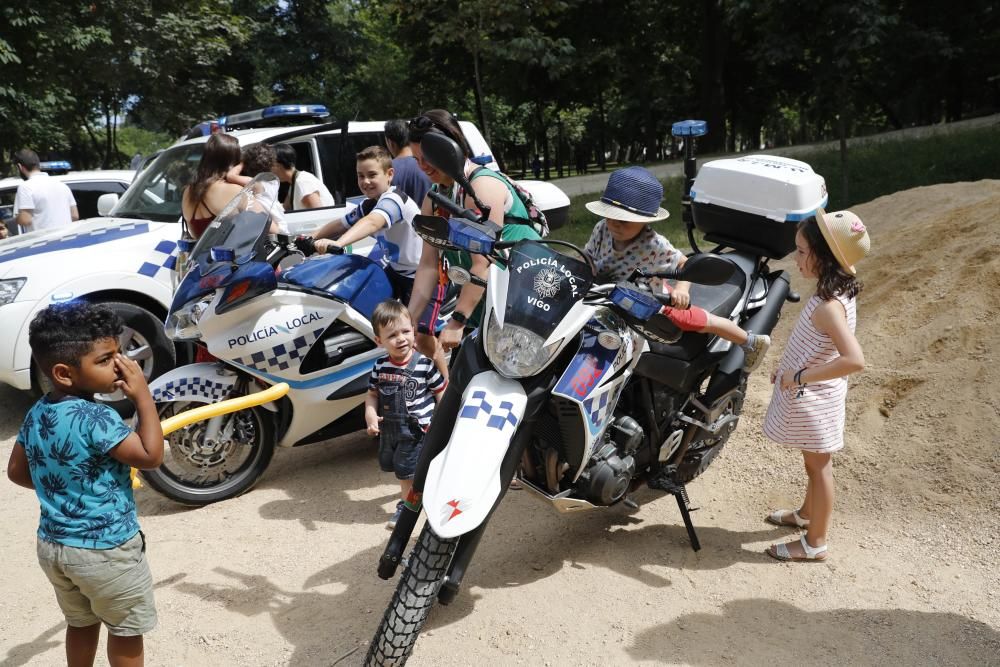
point(125, 258)
point(87, 187)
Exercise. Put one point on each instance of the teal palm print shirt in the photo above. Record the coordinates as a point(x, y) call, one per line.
point(85, 495)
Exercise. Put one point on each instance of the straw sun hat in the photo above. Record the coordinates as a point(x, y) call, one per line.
point(632, 195)
point(846, 235)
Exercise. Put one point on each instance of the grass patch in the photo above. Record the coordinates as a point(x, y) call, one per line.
point(884, 167)
point(875, 169)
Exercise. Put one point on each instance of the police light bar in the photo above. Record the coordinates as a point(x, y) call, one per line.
point(274, 113)
point(55, 166)
point(689, 128)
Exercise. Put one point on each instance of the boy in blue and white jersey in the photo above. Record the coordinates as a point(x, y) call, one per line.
point(387, 215)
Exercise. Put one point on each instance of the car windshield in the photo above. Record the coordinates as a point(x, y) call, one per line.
point(156, 192)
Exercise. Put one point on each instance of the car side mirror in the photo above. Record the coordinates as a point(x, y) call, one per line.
point(106, 202)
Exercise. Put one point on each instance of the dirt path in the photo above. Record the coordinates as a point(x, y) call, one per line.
point(285, 574)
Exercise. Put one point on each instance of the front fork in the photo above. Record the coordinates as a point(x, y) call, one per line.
point(470, 362)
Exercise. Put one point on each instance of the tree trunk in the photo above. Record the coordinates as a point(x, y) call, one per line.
point(601, 123)
point(842, 132)
point(108, 129)
point(712, 80)
point(478, 93)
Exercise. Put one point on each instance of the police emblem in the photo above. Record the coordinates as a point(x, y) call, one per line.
point(547, 283)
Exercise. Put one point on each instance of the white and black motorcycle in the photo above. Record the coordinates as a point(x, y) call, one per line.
point(267, 317)
point(585, 391)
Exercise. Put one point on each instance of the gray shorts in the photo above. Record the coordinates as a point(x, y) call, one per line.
point(113, 586)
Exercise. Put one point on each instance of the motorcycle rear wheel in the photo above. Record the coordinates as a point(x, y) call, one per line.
point(411, 603)
point(193, 475)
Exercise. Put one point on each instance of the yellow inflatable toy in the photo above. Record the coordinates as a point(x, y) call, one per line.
point(183, 419)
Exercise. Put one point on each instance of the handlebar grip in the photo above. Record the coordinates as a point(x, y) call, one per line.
point(306, 245)
point(444, 202)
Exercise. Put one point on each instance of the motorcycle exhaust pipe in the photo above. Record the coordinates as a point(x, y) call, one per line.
point(727, 376)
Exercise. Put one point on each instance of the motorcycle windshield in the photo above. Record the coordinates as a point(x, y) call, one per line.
point(543, 286)
point(240, 228)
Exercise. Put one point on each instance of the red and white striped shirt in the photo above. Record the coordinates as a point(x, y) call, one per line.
point(810, 417)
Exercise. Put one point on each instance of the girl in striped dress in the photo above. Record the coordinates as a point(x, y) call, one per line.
point(810, 383)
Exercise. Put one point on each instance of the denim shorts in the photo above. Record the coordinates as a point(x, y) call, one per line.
point(113, 586)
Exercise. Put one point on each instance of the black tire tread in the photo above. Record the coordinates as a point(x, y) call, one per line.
point(411, 603)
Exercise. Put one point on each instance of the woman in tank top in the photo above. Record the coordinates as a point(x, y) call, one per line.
point(210, 191)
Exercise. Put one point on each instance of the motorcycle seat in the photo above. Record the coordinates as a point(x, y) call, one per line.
point(716, 299)
point(353, 279)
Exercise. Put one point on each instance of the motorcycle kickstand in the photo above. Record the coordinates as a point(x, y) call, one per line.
point(684, 504)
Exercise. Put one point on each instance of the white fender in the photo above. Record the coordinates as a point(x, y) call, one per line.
point(463, 481)
point(206, 382)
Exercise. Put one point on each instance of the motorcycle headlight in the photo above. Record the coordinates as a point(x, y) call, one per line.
point(182, 324)
point(9, 289)
point(515, 351)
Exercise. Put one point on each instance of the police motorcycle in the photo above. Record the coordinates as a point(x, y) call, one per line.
point(267, 315)
point(585, 391)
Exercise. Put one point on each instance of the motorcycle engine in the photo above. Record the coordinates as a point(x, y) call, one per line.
point(606, 479)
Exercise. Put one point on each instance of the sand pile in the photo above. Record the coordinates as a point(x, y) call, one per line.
point(923, 424)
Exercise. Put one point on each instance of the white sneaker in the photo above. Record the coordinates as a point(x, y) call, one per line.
point(753, 356)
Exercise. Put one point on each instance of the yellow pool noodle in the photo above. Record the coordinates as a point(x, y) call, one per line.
point(187, 417)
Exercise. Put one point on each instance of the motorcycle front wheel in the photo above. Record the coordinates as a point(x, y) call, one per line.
point(411, 603)
point(197, 471)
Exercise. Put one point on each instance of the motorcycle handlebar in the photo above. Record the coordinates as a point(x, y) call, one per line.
point(452, 207)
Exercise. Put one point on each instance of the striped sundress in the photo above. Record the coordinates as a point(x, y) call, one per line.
point(810, 418)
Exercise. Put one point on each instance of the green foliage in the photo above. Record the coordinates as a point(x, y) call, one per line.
point(132, 140)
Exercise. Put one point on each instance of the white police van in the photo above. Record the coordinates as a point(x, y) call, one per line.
point(125, 259)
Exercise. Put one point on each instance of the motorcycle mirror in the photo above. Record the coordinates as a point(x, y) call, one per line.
point(705, 269)
point(446, 155)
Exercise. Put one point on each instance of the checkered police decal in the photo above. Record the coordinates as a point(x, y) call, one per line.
point(72, 241)
point(201, 387)
point(477, 405)
point(162, 258)
point(281, 356)
point(597, 410)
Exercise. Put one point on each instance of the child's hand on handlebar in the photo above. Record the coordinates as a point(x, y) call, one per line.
point(680, 298)
point(327, 246)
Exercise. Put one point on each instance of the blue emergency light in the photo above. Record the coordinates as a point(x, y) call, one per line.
point(55, 166)
point(275, 113)
point(689, 128)
point(469, 238)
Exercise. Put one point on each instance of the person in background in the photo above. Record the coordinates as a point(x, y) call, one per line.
point(76, 454)
point(407, 175)
point(41, 201)
point(304, 189)
point(257, 159)
point(204, 198)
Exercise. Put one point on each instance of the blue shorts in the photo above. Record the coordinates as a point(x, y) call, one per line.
point(401, 456)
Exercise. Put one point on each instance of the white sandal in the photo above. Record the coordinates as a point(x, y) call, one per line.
point(814, 554)
point(776, 516)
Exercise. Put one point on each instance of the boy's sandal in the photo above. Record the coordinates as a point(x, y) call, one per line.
point(515, 485)
point(787, 518)
point(811, 554)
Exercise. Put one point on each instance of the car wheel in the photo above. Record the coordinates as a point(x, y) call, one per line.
point(144, 341)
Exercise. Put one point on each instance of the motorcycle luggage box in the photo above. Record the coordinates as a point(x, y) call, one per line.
point(754, 203)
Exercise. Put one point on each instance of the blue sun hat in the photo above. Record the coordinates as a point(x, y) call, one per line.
point(632, 195)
